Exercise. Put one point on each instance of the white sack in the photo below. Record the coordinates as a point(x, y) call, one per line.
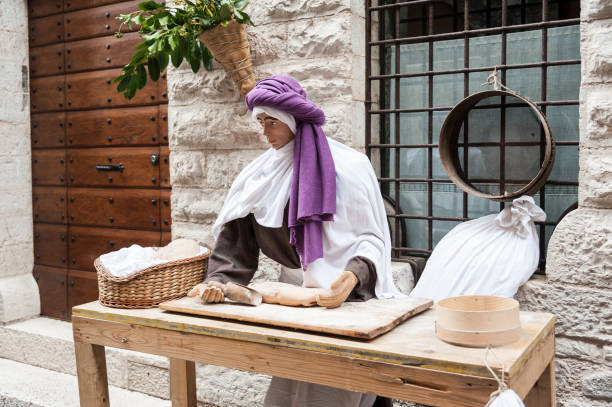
point(507, 398)
point(492, 255)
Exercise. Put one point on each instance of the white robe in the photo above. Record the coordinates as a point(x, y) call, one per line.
point(360, 225)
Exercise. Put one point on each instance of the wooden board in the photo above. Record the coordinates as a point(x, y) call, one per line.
point(356, 319)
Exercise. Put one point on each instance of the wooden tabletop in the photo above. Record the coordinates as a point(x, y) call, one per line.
point(411, 343)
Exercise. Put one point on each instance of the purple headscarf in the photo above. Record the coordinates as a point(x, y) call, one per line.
point(312, 199)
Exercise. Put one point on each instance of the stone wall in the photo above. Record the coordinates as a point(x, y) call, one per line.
point(578, 289)
point(18, 290)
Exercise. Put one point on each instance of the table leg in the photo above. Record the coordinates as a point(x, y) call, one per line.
point(542, 394)
point(182, 383)
point(91, 372)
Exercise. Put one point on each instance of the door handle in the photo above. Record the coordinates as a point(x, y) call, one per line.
point(109, 167)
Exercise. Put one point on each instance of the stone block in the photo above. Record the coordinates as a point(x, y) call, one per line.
point(148, 379)
point(200, 232)
point(608, 355)
point(569, 348)
point(16, 135)
point(14, 17)
point(598, 385)
point(187, 168)
point(268, 11)
point(14, 47)
point(581, 403)
point(579, 249)
point(595, 9)
point(17, 201)
point(18, 298)
point(268, 42)
point(358, 85)
point(213, 126)
point(16, 258)
point(318, 37)
point(596, 52)
point(596, 116)
point(15, 107)
point(357, 32)
point(338, 120)
point(197, 205)
point(402, 276)
point(16, 171)
point(582, 312)
point(268, 270)
point(221, 386)
point(222, 167)
point(321, 79)
point(188, 88)
point(12, 76)
point(38, 349)
point(595, 178)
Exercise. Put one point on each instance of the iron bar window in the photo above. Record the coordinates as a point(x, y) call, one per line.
point(423, 57)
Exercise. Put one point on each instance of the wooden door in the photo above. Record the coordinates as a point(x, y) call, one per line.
point(99, 161)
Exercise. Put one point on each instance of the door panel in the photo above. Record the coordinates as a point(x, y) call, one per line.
point(131, 166)
point(100, 53)
point(40, 8)
point(97, 21)
point(47, 94)
point(166, 238)
point(96, 90)
point(164, 168)
point(91, 144)
point(50, 248)
point(49, 204)
point(47, 60)
point(113, 127)
point(48, 130)
point(127, 208)
point(72, 5)
point(46, 30)
point(82, 288)
point(88, 243)
point(49, 167)
point(166, 214)
point(52, 289)
point(163, 124)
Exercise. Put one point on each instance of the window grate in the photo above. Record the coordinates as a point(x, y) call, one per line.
point(416, 72)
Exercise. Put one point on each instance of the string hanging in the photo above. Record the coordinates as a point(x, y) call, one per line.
point(503, 396)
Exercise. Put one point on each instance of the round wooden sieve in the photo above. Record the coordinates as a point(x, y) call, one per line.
point(478, 320)
point(449, 152)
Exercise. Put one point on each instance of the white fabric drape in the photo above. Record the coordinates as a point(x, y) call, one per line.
point(360, 225)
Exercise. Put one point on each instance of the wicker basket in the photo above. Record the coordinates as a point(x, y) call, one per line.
point(151, 286)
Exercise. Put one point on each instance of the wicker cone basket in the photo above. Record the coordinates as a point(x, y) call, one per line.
point(229, 46)
point(149, 287)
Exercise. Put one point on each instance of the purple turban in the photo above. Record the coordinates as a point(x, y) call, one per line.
point(312, 199)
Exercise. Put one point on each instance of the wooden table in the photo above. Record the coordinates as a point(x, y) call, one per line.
point(408, 363)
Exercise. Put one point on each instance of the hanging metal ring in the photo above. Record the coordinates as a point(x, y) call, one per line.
point(449, 151)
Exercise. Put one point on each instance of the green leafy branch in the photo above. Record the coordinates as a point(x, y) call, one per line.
point(170, 34)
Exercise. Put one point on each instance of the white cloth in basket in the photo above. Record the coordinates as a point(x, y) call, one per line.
point(127, 261)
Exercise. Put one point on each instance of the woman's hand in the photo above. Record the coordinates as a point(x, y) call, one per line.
point(339, 291)
point(208, 292)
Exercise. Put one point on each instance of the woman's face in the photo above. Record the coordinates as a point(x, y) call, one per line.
point(276, 132)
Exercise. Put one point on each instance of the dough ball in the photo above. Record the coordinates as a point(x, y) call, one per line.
point(178, 249)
